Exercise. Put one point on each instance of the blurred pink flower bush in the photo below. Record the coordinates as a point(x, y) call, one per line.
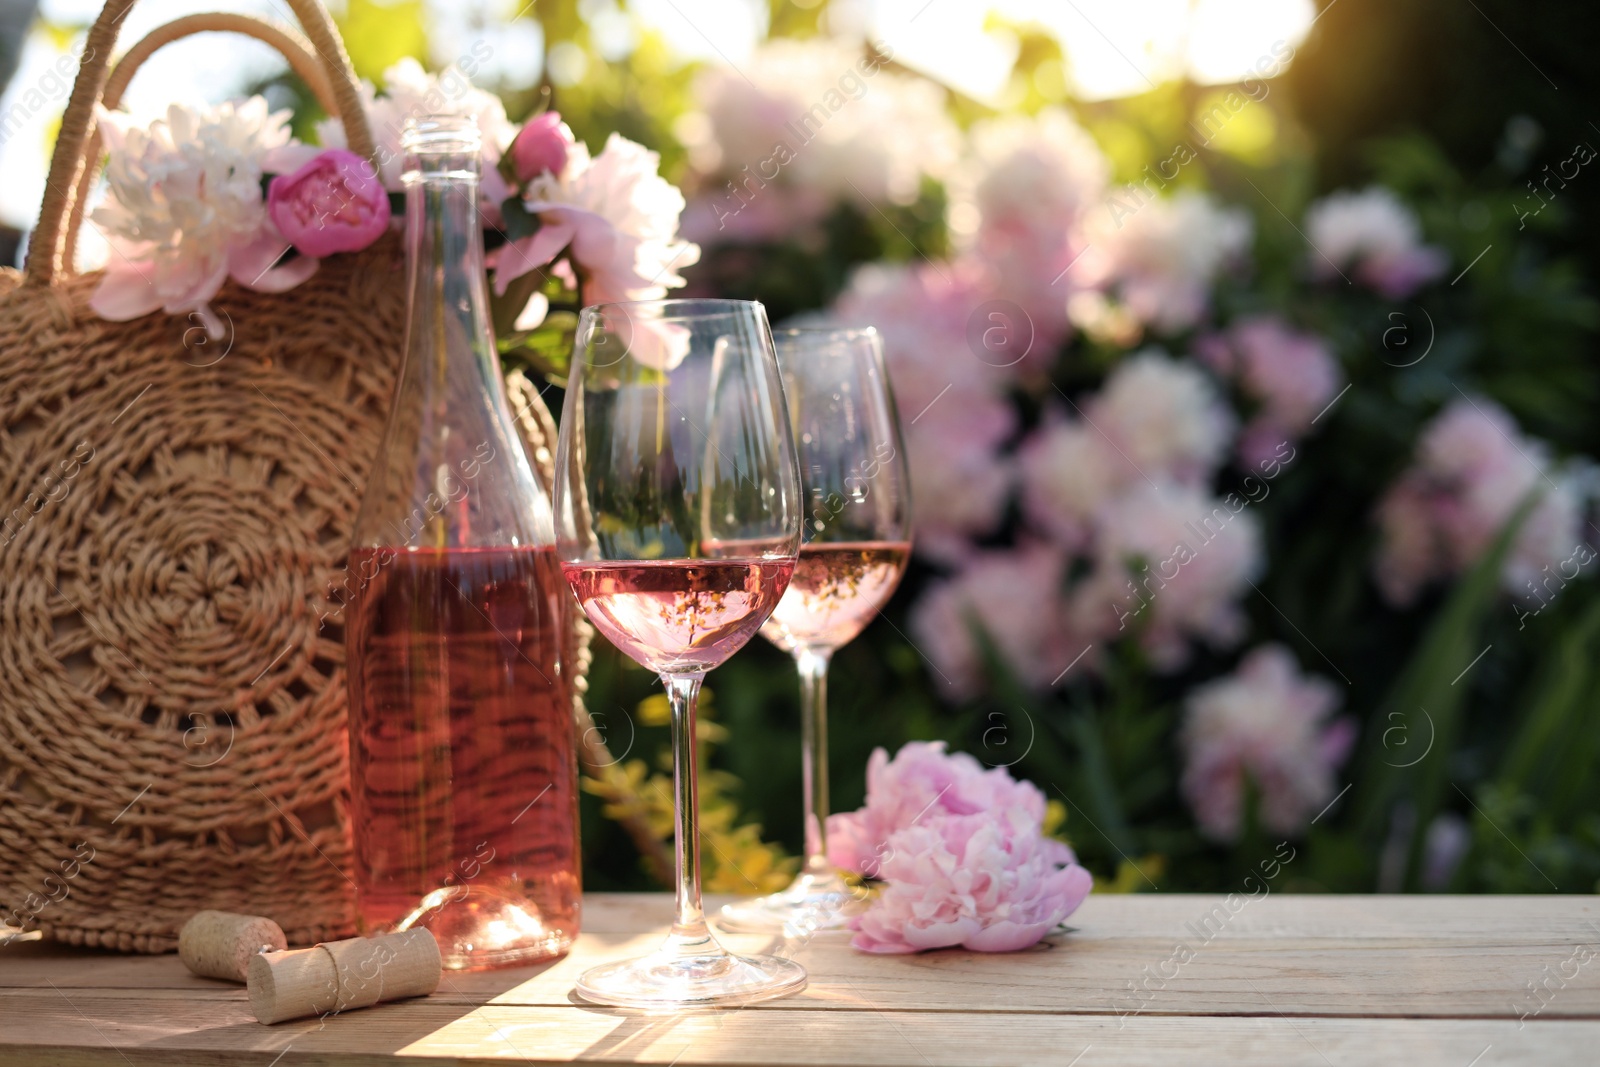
point(1170, 563)
point(1165, 416)
point(953, 406)
point(1269, 722)
point(963, 852)
point(1374, 237)
point(1019, 200)
point(819, 116)
point(1016, 596)
point(1291, 376)
point(1151, 263)
point(1472, 469)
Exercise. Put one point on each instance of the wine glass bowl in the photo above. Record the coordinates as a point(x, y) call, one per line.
point(678, 515)
point(856, 542)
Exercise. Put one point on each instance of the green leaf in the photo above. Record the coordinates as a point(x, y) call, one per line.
point(1428, 693)
point(519, 221)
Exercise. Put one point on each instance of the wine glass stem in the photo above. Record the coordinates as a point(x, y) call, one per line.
point(689, 926)
point(813, 667)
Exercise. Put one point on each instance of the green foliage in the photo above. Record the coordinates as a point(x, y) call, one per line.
point(380, 33)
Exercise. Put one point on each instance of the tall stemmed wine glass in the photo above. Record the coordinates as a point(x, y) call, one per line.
point(857, 537)
point(678, 506)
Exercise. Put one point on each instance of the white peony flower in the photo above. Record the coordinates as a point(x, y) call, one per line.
point(1376, 237)
point(184, 210)
point(1164, 416)
point(1069, 470)
point(1160, 257)
point(616, 215)
point(822, 116)
point(412, 93)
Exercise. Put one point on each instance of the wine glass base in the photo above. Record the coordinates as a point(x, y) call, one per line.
point(664, 982)
point(810, 904)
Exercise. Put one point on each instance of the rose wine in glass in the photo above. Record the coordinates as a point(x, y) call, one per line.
point(857, 539)
point(463, 770)
point(678, 522)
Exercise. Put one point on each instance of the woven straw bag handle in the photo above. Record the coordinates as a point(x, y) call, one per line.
point(326, 69)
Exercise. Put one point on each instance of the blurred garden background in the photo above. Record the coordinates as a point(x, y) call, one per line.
point(1245, 351)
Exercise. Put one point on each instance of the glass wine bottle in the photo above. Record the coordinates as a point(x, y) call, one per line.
point(463, 771)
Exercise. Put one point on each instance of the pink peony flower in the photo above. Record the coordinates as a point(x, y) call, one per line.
point(1019, 202)
point(334, 203)
point(963, 851)
point(616, 216)
point(1292, 375)
point(1159, 259)
point(183, 211)
point(1267, 721)
point(1170, 564)
point(1016, 597)
point(1069, 471)
point(1164, 417)
point(1374, 236)
point(1473, 468)
point(989, 883)
point(952, 403)
point(922, 782)
point(542, 146)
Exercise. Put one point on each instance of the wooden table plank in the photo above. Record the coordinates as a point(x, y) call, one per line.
point(1283, 979)
point(427, 1034)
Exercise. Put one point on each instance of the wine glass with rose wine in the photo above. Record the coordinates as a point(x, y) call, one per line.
point(678, 506)
point(856, 539)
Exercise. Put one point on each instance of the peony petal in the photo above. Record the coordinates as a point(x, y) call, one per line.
point(255, 265)
point(124, 293)
point(517, 258)
point(941, 935)
point(1006, 936)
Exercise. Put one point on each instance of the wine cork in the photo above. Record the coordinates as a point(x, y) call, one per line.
point(219, 944)
point(343, 975)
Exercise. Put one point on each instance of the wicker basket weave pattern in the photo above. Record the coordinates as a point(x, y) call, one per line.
point(174, 516)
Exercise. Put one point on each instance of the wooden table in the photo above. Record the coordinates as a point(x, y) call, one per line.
point(1169, 979)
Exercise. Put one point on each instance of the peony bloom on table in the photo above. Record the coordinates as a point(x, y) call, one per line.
point(963, 851)
point(183, 211)
point(1376, 238)
point(1472, 470)
point(332, 204)
point(617, 218)
point(989, 883)
point(1293, 376)
point(921, 782)
point(1270, 722)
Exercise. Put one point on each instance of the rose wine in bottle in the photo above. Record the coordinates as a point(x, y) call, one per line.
point(462, 758)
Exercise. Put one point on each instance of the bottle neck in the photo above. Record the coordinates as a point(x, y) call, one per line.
point(449, 300)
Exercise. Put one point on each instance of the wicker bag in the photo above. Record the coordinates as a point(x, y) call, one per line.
point(176, 512)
